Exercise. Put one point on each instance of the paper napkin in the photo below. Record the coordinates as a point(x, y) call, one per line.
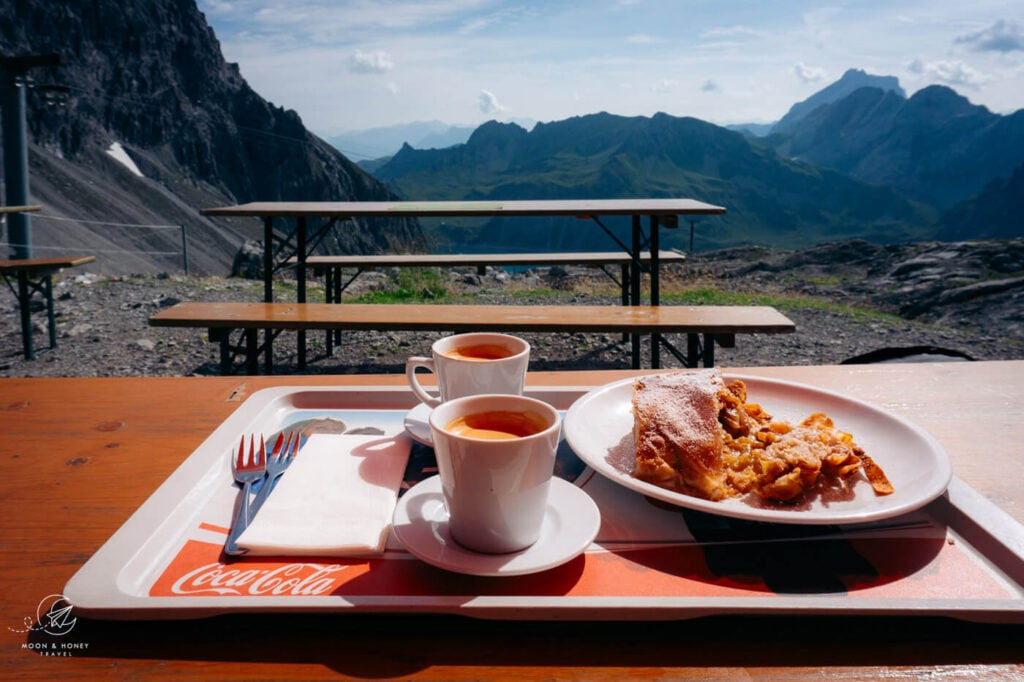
point(336, 498)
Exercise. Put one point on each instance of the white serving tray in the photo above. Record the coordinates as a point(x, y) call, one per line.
point(960, 556)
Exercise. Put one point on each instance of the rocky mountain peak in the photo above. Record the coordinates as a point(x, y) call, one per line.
point(852, 80)
point(149, 75)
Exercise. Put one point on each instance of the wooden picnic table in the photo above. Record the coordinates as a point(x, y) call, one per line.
point(658, 212)
point(35, 275)
point(80, 455)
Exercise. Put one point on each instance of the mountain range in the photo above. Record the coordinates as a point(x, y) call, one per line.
point(859, 159)
point(155, 125)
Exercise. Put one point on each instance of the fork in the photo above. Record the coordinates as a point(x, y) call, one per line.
point(276, 464)
point(247, 470)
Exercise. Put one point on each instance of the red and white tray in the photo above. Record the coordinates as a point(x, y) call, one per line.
point(959, 556)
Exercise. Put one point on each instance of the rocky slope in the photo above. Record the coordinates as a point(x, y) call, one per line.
point(149, 76)
point(846, 299)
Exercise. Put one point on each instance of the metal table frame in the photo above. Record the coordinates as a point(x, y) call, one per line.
point(36, 276)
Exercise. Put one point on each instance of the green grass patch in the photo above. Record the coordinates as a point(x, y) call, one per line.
point(412, 285)
point(714, 296)
point(824, 280)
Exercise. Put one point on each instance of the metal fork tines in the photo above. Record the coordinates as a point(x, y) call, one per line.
point(247, 470)
point(276, 464)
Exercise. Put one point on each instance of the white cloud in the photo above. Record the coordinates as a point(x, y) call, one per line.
point(950, 72)
point(1002, 36)
point(808, 74)
point(488, 103)
point(370, 62)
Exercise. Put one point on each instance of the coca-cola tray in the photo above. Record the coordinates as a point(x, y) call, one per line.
point(958, 556)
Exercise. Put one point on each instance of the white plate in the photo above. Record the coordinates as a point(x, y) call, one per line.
point(570, 525)
point(417, 424)
point(599, 427)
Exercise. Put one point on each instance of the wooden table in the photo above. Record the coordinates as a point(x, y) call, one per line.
point(80, 455)
point(659, 213)
point(35, 275)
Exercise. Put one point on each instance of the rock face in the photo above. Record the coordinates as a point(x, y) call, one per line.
point(149, 75)
point(975, 285)
point(852, 80)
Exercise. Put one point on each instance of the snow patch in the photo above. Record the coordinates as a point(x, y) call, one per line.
point(118, 153)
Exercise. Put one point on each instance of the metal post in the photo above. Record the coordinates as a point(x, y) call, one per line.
point(16, 165)
point(13, 72)
point(634, 297)
point(184, 247)
point(300, 275)
point(268, 290)
point(268, 260)
point(655, 277)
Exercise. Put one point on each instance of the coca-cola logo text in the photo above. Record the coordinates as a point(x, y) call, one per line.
point(293, 580)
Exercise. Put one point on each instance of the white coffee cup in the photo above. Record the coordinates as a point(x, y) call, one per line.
point(495, 490)
point(471, 364)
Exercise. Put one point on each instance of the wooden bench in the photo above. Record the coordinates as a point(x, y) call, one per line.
point(332, 267)
point(35, 275)
point(703, 325)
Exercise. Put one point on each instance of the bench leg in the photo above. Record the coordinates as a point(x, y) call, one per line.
point(692, 349)
point(51, 317)
point(24, 301)
point(250, 339)
point(329, 298)
point(252, 357)
point(268, 345)
point(624, 282)
point(222, 337)
point(708, 356)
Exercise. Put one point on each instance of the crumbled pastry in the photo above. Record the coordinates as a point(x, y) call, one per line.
point(698, 435)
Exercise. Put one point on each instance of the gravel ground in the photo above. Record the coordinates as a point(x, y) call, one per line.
point(103, 330)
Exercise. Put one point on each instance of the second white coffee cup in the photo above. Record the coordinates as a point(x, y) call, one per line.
point(471, 364)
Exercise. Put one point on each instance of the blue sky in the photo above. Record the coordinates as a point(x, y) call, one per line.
point(356, 64)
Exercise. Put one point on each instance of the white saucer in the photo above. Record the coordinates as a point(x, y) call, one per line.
point(570, 525)
point(417, 424)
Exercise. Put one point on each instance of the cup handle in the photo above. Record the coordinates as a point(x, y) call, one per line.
point(410, 374)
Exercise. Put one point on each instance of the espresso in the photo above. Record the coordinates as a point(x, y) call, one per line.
point(479, 351)
point(497, 425)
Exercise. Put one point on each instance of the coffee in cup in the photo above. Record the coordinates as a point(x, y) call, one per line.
point(471, 364)
point(480, 351)
point(495, 457)
point(497, 425)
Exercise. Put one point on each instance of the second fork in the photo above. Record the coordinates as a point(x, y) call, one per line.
point(276, 465)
